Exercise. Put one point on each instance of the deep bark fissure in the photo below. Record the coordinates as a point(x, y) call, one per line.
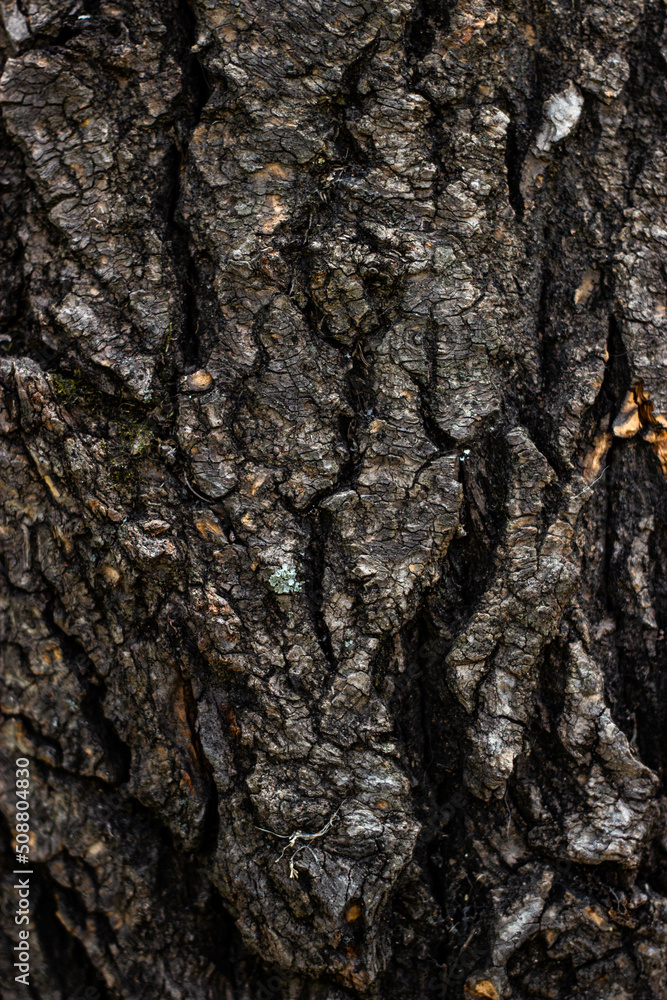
point(117, 752)
point(69, 962)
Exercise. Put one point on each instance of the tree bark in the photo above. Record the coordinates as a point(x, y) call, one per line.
point(334, 519)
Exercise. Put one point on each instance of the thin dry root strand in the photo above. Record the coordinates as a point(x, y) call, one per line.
point(293, 839)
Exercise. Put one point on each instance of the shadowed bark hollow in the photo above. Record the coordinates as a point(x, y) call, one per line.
point(333, 418)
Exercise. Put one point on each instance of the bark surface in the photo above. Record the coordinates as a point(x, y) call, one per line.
point(334, 515)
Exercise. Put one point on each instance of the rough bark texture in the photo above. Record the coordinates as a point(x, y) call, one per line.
point(334, 513)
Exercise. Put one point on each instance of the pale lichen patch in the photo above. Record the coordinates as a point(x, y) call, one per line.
point(284, 580)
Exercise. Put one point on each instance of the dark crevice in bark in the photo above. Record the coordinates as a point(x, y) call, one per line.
point(314, 566)
point(196, 94)
point(220, 942)
point(635, 681)
point(228, 694)
point(428, 16)
point(646, 94)
point(125, 811)
point(442, 149)
point(352, 74)
point(432, 729)
point(118, 755)
point(630, 478)
point(652, 710)
point(190, 334)
point(532, 410)
point(533, 970)
point(523, 106)
point(550, 768)
point(471, 556)
point(186, 269)
point(443, 441)
point(73, 908)
point(71, 968)
point(615, 385)
point(178, 890)
point(347, 103)
point(617, 374)
point(465, 900)
point(66, 34)
point(56, 34)
point(653, 870)
point(548, 371)
point(196, 75)
point(619, 708)
point(359, 379)
point(513, 165)
point(138, 830)
point(232, 699)
point(17, 328)
point(560, 974)
point(552, 681)
point(361, 394)
point(207, 835)
point(432, 725)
